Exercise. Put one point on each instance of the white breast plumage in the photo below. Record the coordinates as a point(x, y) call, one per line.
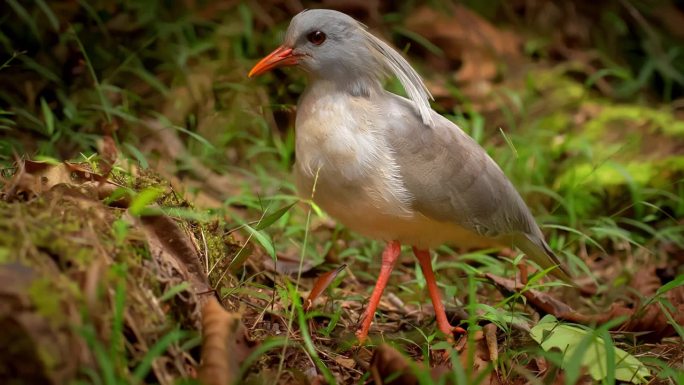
point(355, 166)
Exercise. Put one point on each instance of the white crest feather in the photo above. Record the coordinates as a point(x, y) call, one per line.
point(409, 78)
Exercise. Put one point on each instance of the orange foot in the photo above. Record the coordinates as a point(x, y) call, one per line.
point(449, 331)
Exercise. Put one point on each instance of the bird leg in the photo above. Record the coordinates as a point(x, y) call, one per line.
point(442, 321)
point(389, 258)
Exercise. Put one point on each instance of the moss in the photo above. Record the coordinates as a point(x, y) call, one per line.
point(558, 89)
point(596, 153)
point(47, 299)
point(556, 121)
point(658, 121)
point(596, 178)
point(220, 247)
point(623, 144)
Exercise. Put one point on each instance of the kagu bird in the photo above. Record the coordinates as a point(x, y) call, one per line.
point(392, 168)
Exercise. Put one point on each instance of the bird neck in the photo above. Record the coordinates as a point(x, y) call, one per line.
point(354, 85)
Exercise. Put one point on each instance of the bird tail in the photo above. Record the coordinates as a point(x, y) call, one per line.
point(540, 252)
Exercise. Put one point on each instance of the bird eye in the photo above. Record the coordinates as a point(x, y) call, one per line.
point(316, 37)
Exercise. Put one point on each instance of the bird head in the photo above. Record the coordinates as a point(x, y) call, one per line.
point(332, 46)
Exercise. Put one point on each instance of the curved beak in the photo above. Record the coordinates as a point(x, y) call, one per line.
point(282, 56)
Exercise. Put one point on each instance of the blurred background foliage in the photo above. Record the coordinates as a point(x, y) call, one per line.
point(580, 102)
point(586, 96)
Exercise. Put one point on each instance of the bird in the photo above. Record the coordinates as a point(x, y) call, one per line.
point(390, 167)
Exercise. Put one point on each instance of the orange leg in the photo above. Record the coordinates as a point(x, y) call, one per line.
point(389, 258)
point(442, 321)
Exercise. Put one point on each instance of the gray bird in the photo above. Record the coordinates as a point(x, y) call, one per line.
point(389, 167)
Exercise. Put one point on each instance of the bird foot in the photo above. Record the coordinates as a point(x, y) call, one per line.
point(361, 337)
point(362, 332)
point(449, 331)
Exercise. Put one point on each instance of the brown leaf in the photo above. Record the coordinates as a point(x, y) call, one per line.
point(541, 364)
point(544, 302)
point(366, 10)
point(287, 265)
point(36, 178)
point(651, 317)
point(672, 18)
point(224, 345)
point(479, 354)
point(466, 38)
point(387, 362)
point(323, 281)
point(35, 349)
point(169, 242)
point(389, 366)
point(108, 154)
point(346, 362)
point(492, 345)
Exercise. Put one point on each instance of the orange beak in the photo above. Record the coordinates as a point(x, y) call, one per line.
point(282, 56)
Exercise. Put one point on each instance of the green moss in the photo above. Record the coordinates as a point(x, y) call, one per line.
point(220, 247)
point(4, 254)
point(673, 164)
point(660, 121)
point(47, 299)
point(558, 121)
point(593, 151)
point(608, 174)
point(557, 87)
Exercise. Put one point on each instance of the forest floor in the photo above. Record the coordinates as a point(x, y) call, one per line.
point(150, 231)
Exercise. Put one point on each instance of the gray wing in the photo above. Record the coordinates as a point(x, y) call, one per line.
point(452, 179)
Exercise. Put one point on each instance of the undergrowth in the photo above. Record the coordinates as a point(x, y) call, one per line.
point(602, 171)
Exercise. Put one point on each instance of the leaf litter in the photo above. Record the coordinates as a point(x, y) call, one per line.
point(643, 311)
point(571, 340)
point(176, 258)
point(174, 254)
point(64, 237)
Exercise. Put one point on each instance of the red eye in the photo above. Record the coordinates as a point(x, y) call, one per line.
point(316, 37)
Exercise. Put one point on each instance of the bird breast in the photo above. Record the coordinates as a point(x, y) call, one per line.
point(345, 163)
point(343, 159)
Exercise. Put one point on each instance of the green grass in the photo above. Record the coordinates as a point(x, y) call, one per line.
point(112, 360)
point(187, 70)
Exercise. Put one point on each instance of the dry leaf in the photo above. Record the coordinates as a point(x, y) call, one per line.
point(34, 348)
point(544, 302)
point(169, 242)
point(492, 345)
point(108, 154)
point(541, 364)
point(480, 355)
point(346, 362)
point(671, 17)
point(387, 362)
point(36, 178)
point(287, 265)
point(320, 285)
point(466, 38)
point(224, 345)
point(650, 319)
